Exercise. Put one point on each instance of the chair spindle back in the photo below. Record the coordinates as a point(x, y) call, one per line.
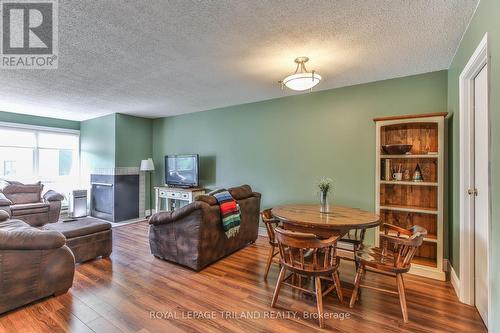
point(305, 252)
point(355, 235)
point(403, 243)
point(271, 223)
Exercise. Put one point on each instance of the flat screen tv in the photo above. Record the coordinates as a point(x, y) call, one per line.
point(181, 170)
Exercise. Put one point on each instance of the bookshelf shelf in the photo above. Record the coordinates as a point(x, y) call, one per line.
point(406, 203)
point(410, 209)
point(410, 156)
point(395, 182)
point(422, 261)
point(429, 238)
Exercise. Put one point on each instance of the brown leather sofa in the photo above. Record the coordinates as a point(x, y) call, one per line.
point(34, 263)
point(193, 236)
point(25, 202)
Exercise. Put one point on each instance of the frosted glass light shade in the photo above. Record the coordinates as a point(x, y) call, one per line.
point(302, 81)
point(147, 165)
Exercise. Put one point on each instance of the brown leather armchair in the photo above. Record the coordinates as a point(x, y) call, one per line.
point(25, 202)
point(193, 236)
point(34, 263)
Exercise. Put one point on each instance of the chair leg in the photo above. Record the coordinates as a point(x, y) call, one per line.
point(269, 261)
point(356, 263)
point(319, 300)
point(281, 277)
point(338, 287)
point(402, 297)
point(357, 282)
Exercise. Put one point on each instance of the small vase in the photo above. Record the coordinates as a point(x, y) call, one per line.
point(417, 175)
point(324, 202)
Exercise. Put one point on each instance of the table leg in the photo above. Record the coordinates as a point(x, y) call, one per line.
point(157, 201)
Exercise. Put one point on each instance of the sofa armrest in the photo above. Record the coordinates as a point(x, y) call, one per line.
point(169, 217)
point(53, 196)
point(31, 239)
point(54, 199)
point(4, 201)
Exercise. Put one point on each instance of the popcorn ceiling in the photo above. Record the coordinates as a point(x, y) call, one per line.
point(159, 58)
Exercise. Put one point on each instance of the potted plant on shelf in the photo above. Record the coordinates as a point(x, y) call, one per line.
point(325, 185)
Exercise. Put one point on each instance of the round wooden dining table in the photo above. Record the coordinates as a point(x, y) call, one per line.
point(337, 222)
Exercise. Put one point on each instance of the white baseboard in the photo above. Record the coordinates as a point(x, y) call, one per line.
point(455, 281)
point(262, 232)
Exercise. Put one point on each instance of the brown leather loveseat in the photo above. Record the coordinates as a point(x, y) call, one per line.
point(34, 263)
point(193, 236)
point(25, 202)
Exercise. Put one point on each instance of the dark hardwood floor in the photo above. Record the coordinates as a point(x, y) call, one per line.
point(119, 294)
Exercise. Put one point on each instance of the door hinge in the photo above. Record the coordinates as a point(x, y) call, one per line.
point(472, 191)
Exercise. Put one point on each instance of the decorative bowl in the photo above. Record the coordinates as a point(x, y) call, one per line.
point(396, 149)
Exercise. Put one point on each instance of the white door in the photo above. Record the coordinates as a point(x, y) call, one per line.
point(481, 202)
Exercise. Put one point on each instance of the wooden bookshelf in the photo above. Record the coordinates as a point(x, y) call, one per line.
point(406, 203)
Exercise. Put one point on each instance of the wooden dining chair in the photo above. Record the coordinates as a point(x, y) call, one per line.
point(393, 258)
point(306, 255)
point(271, 223)
point(350, 243)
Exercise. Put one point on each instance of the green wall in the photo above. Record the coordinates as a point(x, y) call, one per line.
point(97, 143)
point(133, 137)
point(115, 140)
point(281, 147)
point(133, 140)
point(486, 19)
point(38, 121)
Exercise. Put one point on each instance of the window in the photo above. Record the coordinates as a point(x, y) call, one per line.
point(29, 154)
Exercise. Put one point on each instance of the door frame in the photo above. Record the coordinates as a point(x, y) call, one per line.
point(479, 59)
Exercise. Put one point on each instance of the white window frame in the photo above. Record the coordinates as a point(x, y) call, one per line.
point(46, 129)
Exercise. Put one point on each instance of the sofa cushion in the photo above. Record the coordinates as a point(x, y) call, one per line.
point(29, 208)
point(209, 199)
point(18, 235)
point(12, 225)
point(23, 193)
point(79, 228)
point(238, 193)
point(241, 192)
point(4, 216)
point(4, 201)
point(17, 187)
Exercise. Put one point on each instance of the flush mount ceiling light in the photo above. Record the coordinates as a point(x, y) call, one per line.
point(302, 79)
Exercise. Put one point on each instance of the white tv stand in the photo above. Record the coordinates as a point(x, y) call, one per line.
point(175, 193)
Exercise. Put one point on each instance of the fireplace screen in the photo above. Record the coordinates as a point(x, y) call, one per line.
point(102, 198)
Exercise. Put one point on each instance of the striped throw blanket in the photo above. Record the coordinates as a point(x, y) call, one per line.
point(229, 212)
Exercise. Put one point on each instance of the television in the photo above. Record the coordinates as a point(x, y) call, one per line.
point(181, 170)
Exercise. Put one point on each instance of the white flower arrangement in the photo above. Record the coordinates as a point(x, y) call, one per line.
point(325, 184)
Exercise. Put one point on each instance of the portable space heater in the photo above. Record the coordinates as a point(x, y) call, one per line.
point(78, 203)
